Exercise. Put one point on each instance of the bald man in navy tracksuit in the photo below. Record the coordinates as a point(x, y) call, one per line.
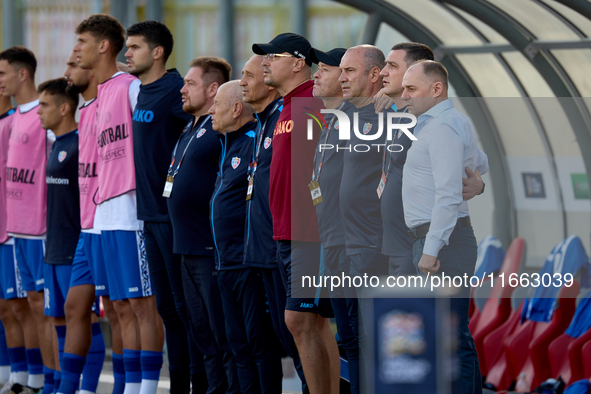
point(248, 326)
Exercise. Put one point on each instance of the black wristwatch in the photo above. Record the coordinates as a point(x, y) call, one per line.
point(483, 185)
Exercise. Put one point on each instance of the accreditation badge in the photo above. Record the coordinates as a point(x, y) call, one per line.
point(382, 185)
point(168, 186)
point(315, 192)
point(249, 190)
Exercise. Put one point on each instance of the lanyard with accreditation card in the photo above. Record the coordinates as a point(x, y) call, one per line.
point(253, 165)
point(386, 170)
point(314, 185)
point(170, 176)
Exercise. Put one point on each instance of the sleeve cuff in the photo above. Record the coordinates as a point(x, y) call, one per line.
point(432, 246)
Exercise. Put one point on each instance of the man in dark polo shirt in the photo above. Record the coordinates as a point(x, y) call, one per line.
point(328, 170)
point(360, 206)
point(193, 169)
point(287, 68)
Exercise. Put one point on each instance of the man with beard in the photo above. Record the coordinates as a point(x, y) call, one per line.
point(197, 152)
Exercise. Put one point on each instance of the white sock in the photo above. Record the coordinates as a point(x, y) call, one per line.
point(21, 377)
point(36, 380)
point(4, 373)
point(85, 392)
point(149, 386)
point(132, 388)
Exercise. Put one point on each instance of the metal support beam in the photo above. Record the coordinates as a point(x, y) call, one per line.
point(531, 49)
point(372, 28)
point(535, 47)
point(97, 6)
point(119, 11)
point(548, 67)
point(12, 23)
point(226, 31)
point(131, 13)
point(300, 17)
point(126, 13)
point(583, 7)
point(442, 51)
point(154, 10)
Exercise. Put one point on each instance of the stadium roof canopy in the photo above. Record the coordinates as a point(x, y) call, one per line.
point(522, 71)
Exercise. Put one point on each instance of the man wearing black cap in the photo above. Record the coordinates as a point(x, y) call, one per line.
point(260, 250)
point(328, 170)
point(286, 67)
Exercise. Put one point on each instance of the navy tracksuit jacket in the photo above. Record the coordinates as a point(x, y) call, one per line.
point(227, 206)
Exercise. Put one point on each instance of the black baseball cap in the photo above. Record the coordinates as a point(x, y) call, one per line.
point(332, 57)
point(286, 42)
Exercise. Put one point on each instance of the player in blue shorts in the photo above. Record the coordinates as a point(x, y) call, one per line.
point(158, 121)
point(89, 276)
point(12, 341)
point(4, 359)
point(25, 198)
point(100, 38)
point(57, 108)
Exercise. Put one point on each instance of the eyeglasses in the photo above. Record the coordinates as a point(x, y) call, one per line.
point(272, 56)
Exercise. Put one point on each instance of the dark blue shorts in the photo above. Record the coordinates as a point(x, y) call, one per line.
point(57, 284)
point(88, 267)
point(291, 253)
point(30, 254)
point(126, 264)
point(10, 279)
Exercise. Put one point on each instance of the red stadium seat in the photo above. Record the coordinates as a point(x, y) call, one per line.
point(493, 342)
point(586, 356)
point(498, 306)
point(478, 298)
point(558, 357)
point(565, 354)
point(526, 349)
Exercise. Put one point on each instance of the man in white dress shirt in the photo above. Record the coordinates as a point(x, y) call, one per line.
point(434, 210)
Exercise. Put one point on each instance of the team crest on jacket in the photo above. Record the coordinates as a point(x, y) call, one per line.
point(336, 125)
point(366, 128)
point(267, 143)
point(201, 132)
point(62, 156)
point(235, 162)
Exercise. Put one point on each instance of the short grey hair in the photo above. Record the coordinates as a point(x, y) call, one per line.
point(373, 57)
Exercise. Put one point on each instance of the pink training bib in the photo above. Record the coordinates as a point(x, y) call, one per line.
point(26, 191)
point(116, 171)
point(5, 126)
point(87, 163)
